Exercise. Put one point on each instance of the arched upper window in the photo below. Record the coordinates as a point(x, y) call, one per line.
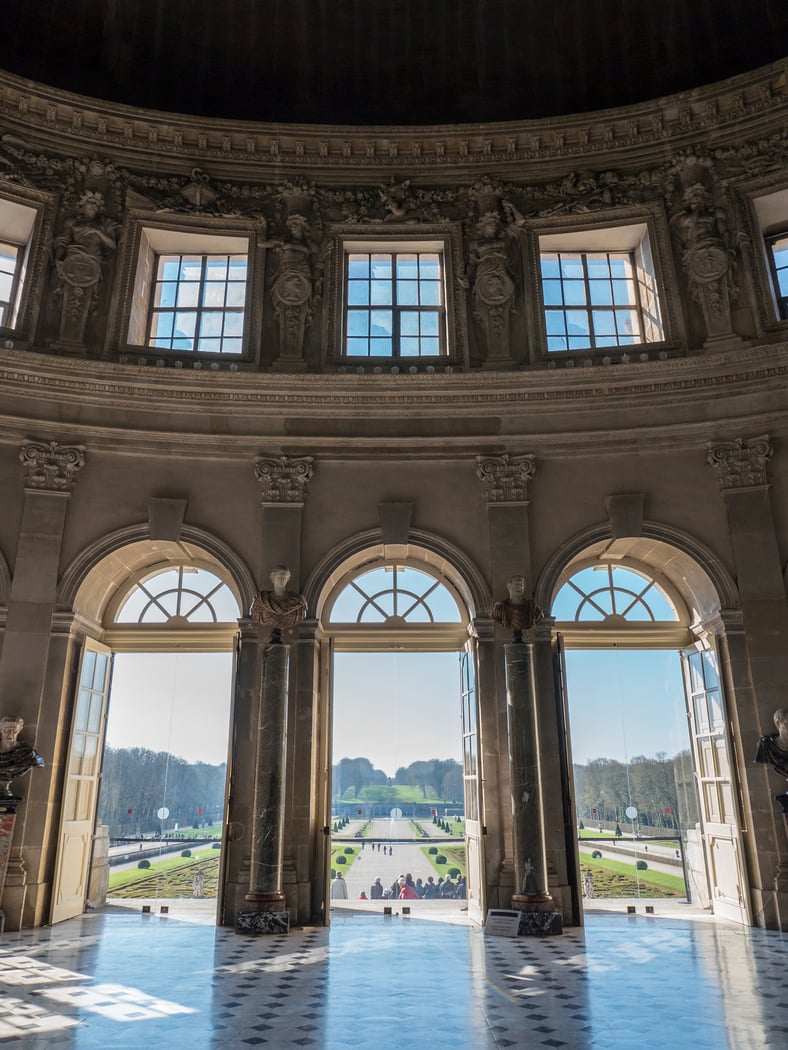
point(179, 596)
point(394, 602)
point(613, 596)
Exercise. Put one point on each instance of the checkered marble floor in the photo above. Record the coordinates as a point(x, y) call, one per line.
point(123, 980)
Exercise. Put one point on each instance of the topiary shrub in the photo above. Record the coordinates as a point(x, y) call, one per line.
point(186, 853)
point(641, 865)
point(143, 863)
point(454, 872)
point(596, 854)
point(349, 850)
point(440, 859)
point(433, 849)
point(341, 860)
point(216, 845)
point(581, 826)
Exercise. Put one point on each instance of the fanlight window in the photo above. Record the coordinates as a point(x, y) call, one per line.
point(179, 596)
point(395, 595)
point(612, 594)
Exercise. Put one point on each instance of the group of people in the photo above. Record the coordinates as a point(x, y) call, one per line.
point(378, 846)
point(404, 888)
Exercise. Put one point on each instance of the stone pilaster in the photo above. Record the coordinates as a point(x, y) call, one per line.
point(741, 466)
point(527, 821)
point(50, 472)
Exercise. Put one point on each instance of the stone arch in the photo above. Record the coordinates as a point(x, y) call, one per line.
point(440, 554)
point(91, 579)
point(696, 571)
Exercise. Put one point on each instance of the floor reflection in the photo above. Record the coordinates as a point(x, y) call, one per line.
point(119, 978)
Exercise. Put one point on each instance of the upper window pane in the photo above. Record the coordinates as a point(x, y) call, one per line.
point(599, 299)
point(198, 303)
point(778, 250)
point(611, 593)
point(395, 594)
point(10, 266)
point(178, 596)
point(395, 304)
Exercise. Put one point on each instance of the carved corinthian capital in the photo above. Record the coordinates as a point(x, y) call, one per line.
point(284, 479)
point(51, 467)
point(505, 478)
point(741, 463)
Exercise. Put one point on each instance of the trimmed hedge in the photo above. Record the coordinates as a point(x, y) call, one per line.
point(341, 860)
point(349, 850)
point(454, 872)
point(143, 863)
point(186, 853)
point(440, 859)
point(641, 865)
point(596, 854)
point(433, 850)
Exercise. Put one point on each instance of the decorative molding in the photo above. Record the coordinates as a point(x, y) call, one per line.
point(51, 467)
point(284, 479)
point(741, 463)
point(505, 478)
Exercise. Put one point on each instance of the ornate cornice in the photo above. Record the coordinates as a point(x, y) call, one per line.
point(505, 478)
point(51, 467)
point(95, 125)
point(284, 479)
point(741, 463)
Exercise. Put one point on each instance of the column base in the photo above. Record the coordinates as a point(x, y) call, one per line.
point(269, 902)
point(540, 923)
point(532, 902)
point(272, 922)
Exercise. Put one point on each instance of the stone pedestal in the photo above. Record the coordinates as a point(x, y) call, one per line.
point(527, 832)
point(7, 823)
point(265, 875)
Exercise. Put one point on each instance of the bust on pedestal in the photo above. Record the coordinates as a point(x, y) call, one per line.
point(16, 759)
point(773, 750)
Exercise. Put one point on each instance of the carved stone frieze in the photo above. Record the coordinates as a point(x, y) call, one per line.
point(51, 467)
point(741, 463)
point(505, 478)
point(284, 479)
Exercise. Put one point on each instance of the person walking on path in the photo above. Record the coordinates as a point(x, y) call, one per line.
point(339, 888)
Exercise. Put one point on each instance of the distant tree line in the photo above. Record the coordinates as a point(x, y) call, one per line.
point(660, 788)
point(436, 778)
point(143, 781)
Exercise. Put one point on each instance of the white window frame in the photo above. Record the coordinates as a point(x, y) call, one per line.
point(146, 239)
point(769, 217)
point(443, 238)
point(632, 240)
point(19, 225)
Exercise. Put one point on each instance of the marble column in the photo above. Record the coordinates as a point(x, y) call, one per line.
point(527, 832)
point(265, 876)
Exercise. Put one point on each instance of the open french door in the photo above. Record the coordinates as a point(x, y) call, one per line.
point(80, 793)
point(716, 788)
point(474, 847)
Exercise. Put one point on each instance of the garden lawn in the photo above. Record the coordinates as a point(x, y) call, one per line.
point(167, 878)
point(455, 858)
point(613, 878)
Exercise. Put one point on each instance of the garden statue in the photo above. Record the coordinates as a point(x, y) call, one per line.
point(773, 747)
point(15, 758)
point(279, 609)
point(517, 612)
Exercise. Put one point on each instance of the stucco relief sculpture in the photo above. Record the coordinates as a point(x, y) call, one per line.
point(87, 240)
point(772, 748)
point(279, 609)
point(296, 288)
point(517, 613)
point(16, 758)
point(708, 250)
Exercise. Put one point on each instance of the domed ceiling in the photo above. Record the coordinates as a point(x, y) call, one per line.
point(387, 61)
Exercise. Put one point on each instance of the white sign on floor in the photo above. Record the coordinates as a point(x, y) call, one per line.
point(502, 923)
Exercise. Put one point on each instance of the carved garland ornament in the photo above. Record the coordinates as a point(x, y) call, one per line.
point(284, 479)
point(51, 467)
point(741, 463)
point(505, 478)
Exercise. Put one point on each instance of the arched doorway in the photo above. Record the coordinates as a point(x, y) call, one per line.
point(173, 601)
point(640, 617)
point(414, 605)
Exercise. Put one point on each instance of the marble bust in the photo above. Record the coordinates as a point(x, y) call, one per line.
point(15, 758)
point(773, 747)
point(517, 612)
point(279, 608)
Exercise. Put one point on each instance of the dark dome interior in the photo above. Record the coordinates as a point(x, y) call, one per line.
point(387, 61)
